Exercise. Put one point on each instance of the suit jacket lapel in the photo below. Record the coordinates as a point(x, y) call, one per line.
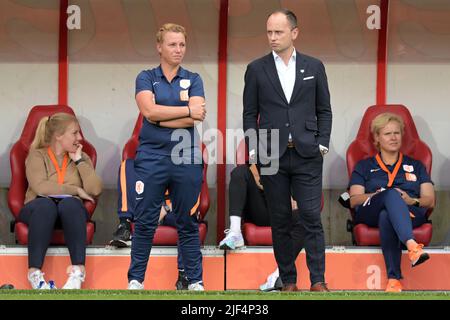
point(272, 74)
point(300, 64)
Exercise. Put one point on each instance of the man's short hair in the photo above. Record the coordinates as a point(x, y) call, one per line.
point(169, 27)
point(292, 18)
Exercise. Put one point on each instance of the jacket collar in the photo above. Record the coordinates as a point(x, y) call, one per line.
point(271, 71)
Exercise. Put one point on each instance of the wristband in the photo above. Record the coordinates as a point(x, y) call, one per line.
point(78, 161)
point(189, 111)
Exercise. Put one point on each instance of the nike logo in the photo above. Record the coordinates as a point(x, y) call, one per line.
point(373, 170)
point(155, 83)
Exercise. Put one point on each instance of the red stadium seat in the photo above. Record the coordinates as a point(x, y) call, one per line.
point(254, 235)
point(363, 147)
point(166, 235)
point(19, 184)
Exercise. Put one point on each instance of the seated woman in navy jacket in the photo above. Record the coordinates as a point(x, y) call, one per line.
point(392, 191)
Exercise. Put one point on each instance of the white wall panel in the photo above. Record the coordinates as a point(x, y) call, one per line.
point(419, 74)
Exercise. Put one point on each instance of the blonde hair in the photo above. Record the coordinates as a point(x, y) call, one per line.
point(50, 126)
point(381, 120)
point(169, 27)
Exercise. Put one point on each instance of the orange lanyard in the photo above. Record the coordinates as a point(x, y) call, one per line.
point(393, 174)
point(166, 196)
point(60, 171)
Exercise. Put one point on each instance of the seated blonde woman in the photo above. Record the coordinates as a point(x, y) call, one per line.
point(59, 177)
point(392, 191)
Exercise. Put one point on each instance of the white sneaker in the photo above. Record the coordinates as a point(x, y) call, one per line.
point(232, 240)
point(135, 285)
point(76, 277)
point(198, 286)
point(37, 281)
point(273, 282)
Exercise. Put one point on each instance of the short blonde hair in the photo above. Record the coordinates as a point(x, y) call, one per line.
point(50, 126)
point(169, 27)
point(381, 120)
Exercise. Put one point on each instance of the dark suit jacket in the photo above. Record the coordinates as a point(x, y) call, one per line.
point(308, 115)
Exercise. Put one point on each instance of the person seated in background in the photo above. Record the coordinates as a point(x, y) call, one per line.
point(59, 177)
point(392, 192)
point(129, 188)
point(246, 195)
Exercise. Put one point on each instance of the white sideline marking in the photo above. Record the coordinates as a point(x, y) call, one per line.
point(208, 251)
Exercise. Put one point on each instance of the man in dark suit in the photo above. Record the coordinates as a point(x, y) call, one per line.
point(287, 103)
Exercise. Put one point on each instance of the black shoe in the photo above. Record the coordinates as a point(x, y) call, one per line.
point(122, 236)
point(277, 286)
point(182, 281)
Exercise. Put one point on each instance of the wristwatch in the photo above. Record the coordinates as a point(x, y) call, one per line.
point(416, 202)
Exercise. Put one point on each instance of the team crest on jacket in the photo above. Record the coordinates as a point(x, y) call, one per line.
point(408, 168)
point(185, 83)
point(139, 187)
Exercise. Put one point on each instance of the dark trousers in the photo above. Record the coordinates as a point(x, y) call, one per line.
point(126, 186)
point(42, 215)
point(170, 220)
point(245, 198)
point(303, 179)
point(389, 212)
point(159, 173)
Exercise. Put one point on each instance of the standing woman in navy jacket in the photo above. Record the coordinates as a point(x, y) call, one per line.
point(392, 191)
point(171, 100)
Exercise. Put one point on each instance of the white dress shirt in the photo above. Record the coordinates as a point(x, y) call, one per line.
point(286, 73)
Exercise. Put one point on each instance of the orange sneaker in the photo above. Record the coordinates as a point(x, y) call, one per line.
point(417, 255)
point(394, 285)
